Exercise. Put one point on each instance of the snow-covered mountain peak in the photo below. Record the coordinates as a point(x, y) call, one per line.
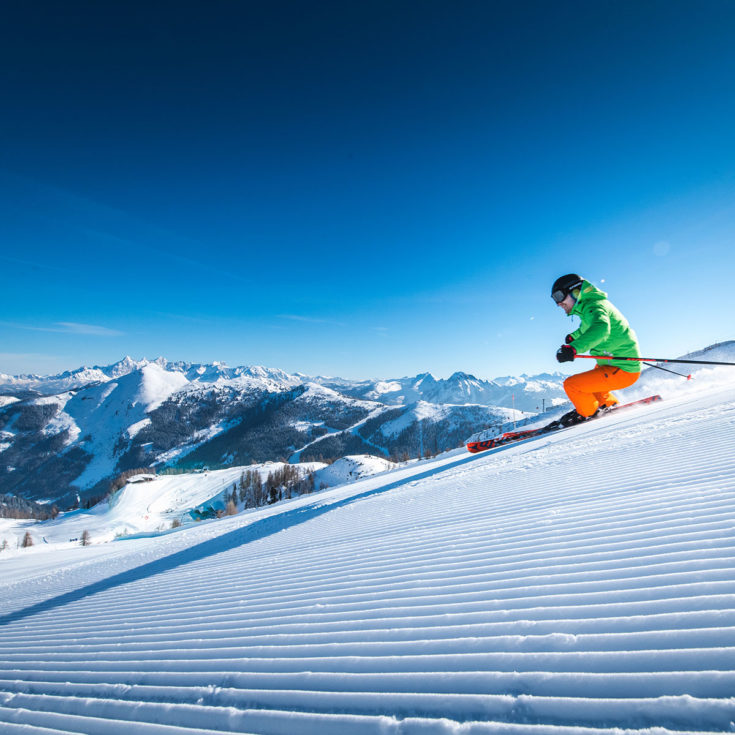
point(157, 384)
point(123, 367)
point(260, 371)
point(317, 392)
point(459, 376)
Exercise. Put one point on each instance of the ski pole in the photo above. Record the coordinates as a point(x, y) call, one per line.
point(655, 359)
point(673, 372)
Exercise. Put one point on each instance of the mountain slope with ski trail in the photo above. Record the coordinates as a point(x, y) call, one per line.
point(574, 584)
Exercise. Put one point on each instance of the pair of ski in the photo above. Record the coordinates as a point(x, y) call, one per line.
point(516, 436)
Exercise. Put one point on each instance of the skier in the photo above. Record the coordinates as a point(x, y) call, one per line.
point(603, 331)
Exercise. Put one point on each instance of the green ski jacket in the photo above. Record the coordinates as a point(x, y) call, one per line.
point(604, 330)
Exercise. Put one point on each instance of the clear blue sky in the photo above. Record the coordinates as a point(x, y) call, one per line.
point(373, 188)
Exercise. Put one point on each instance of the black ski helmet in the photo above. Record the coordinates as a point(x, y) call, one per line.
point(564, 285)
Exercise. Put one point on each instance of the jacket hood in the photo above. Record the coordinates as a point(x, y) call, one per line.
point(587, 292)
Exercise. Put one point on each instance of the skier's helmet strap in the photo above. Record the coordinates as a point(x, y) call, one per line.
point(564, 285)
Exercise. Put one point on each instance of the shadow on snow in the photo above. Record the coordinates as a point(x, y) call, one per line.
point(253, 532)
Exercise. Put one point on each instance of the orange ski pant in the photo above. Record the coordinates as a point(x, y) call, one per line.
point(588, 391)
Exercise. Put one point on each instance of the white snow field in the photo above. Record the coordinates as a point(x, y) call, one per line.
point(579, 583)
point(149, 507)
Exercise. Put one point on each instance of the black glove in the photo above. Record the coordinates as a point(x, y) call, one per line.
point(569, 339)
point(566, 353)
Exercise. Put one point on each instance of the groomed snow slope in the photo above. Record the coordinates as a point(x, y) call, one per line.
point(576, 583)
point(140, 507)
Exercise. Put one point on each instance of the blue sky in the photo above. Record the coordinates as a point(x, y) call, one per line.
point(364, 189)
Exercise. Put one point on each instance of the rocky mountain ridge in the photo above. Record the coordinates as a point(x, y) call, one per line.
point(64, 437)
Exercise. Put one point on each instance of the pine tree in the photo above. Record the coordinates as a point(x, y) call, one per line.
point(258, 489)
point(27, 540)
point(85, 538)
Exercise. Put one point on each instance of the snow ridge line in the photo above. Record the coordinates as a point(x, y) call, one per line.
point(690, 620)
point(247, 710)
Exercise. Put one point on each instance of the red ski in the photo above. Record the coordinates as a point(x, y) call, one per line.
point(514, 436)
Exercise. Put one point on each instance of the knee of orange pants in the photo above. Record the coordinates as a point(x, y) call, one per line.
point(581, 388)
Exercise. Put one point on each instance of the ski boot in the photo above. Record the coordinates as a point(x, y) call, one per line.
point(572, 418)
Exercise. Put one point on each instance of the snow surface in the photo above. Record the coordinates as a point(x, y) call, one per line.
point(575, 584)
point(423, 411)
point(419, 411)
point(149, 503)
point(350, 468)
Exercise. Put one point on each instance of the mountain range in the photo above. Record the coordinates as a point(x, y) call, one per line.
point(64, 437)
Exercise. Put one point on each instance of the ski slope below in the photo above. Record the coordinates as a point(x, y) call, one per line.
point(574, 584)
point(149, 507)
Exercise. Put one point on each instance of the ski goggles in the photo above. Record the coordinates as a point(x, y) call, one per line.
point(559, 295)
